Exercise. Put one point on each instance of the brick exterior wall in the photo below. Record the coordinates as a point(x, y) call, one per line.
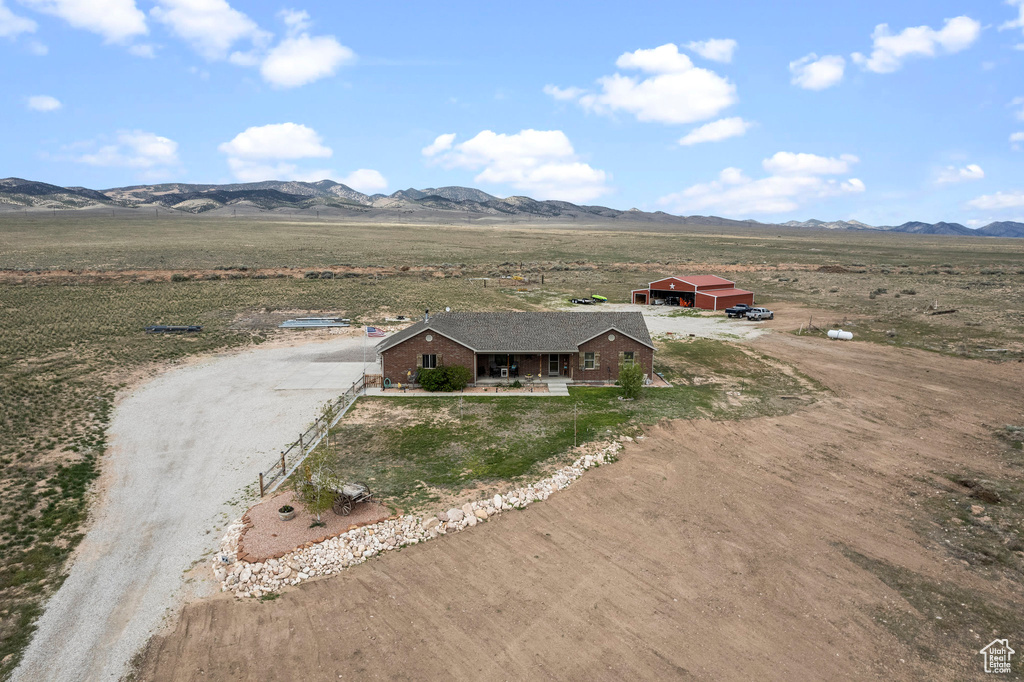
point(608, 357)
point(396, 361)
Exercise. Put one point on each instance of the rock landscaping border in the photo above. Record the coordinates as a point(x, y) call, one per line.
point(331, 555)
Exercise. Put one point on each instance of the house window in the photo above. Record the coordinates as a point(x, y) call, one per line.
point(429, 362)
point(588, 361)
point(627, 359)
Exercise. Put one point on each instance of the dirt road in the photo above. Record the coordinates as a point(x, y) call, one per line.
point(183, 446)
point(767, 549)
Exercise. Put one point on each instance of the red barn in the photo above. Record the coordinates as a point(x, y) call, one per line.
point(709, 292)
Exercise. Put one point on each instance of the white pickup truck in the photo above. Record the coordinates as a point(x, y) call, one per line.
point(758, 314)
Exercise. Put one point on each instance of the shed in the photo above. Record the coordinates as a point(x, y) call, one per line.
point(709, 292)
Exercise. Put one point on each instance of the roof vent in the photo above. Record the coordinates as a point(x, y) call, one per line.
point(426, 315)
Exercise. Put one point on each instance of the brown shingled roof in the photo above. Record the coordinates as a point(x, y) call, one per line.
point(526, 332)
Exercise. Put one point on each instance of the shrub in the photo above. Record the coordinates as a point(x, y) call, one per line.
point(445, 378)
point(178, 277)
point(908, 292)
point(631, 378)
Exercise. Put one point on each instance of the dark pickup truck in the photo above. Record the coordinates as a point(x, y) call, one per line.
point(737, 310)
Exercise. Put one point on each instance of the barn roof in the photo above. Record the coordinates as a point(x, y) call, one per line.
point(724, 292)
point(698, 280)
point(561, 332)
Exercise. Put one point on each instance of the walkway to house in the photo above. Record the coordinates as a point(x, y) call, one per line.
point(558, 386)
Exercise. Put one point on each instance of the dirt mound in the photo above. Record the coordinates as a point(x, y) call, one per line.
point(834, 269)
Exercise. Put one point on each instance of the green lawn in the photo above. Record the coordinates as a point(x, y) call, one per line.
point(412, 449)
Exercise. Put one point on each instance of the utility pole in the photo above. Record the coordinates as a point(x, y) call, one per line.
point(575, 432)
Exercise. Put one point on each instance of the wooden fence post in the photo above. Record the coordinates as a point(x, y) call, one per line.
point(261, 484)
point(302, 448)
point(284, 470)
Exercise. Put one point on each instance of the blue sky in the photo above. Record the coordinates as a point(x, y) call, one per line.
point(877, 111)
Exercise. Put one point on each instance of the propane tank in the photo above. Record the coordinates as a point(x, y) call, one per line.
point(840, 334)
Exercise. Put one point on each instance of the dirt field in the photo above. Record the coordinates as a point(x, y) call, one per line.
point(797, 547)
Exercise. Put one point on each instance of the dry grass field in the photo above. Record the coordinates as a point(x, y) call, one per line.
point(77, 290)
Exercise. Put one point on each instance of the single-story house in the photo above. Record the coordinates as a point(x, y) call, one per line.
point(561, 346)
point(709, 292)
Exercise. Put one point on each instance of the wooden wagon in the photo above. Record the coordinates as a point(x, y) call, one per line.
point(350, 495)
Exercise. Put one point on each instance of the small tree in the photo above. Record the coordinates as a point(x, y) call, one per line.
point(631, 378)
point(315, 491)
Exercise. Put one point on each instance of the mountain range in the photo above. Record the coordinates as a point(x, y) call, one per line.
point(17, 194)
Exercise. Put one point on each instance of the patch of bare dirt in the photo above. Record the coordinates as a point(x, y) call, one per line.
point(776, 548)
point(268, 537)
point(376, 411)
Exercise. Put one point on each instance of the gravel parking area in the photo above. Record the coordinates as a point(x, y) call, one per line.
point(183, 448)
point(684, 321)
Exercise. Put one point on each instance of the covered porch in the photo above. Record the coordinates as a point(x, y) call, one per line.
point(499, 367)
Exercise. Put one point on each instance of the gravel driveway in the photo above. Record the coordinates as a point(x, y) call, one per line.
point(661, 319)
point(183, 447)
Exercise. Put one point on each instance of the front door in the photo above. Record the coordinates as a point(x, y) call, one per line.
point(553, 365)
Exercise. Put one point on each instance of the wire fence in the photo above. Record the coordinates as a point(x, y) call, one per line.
point(272, 476)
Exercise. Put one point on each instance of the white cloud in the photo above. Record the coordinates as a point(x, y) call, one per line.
point(788, 163)
point(118, 21)
point(951, 174)
point(794, 180)
point(366, 181)
point(1018, 102)
point(889, 51)
point(12, 25)
point(38, 49)
point(999, 200)
point(1016, 139)
point(134, 149)
point(715, 131)
point(142, 50)
point(295, 21)
point(563, 94)
point(715, 49)
point(266, 152)
point(211, 27)
point(440, 144)
point(541, 163)
point(277, 141)
point(1015, 23)
point(675, 91)
point(43, 103)
point(814, 73)
point(302, 59)
point(663, 59)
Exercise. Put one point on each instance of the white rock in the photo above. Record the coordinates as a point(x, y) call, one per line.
point(456, 515)
point(498, 502)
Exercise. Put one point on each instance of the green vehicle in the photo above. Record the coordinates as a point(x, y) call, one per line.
point(599, 299)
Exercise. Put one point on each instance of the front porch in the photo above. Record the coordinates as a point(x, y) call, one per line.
point(495, 368)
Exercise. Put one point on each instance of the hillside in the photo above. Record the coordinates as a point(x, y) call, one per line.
point(431, 203)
